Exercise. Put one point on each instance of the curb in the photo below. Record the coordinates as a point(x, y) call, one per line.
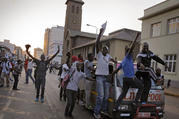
point(171, 94)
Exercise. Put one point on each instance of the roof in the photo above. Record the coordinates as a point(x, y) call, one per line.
point(82, 34)
point(160, 8)
point(78, 1)
point(122, 34)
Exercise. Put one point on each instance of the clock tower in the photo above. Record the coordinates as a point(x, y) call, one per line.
point(72, 22)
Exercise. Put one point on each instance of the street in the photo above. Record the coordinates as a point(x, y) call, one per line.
point(21, 105)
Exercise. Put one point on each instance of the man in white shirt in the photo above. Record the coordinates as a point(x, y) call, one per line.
point(6, 67)
point(29, 71)
point(102, 71)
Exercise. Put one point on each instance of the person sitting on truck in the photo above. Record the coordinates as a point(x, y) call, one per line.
point(160, 77)
point(143, 64)
point(129, 79)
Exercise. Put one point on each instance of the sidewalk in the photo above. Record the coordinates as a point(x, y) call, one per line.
point(172, 91)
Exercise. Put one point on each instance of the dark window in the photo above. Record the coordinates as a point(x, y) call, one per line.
point(77, 10)
point(73, 9)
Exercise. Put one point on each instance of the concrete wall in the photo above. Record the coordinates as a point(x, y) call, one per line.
point(165, 43)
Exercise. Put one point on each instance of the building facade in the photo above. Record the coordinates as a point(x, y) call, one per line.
point(18, 53)
point(9, 45)
point(46, 41)
point(72, 22)
point(52, 39)
point(116, 41)
point(38, 52)
point(160, 28)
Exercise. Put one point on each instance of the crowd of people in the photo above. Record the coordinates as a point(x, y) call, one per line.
point(76, 74)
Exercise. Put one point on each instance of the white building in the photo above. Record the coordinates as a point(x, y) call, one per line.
point(9, 45)
point(55, 39)
point(160, 28)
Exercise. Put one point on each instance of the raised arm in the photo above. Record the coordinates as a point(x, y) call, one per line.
point(27, 51)
point(98, 40)
point(133, 44)
point(54, 54)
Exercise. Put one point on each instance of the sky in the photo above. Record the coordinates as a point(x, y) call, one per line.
point(24, 21)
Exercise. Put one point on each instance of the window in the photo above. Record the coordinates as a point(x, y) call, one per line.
point(77, 10)
point(171, 63)
point(73, 9)
point(173, 25)
point(156, 28)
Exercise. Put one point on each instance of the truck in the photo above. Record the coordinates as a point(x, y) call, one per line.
point(153, 109)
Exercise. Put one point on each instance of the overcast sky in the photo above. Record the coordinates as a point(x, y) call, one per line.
point(25, 21)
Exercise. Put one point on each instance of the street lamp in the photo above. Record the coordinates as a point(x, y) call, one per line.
point(96, 33)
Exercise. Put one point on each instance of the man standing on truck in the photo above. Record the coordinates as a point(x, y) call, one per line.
point(143, 64)
point(102, 71)
point(129, 79)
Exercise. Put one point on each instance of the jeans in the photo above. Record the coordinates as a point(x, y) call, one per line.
point(16, 80)
point(71, 99)
point(147, 84)
point(40, 83)
point(102, 87)
point(29, 73)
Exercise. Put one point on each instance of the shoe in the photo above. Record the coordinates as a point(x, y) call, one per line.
point(2, 85)
point(143, 103)
point(96, 116)
point(104, 113)
point(42, 100)
point(37, 99)
point(114, 110)
point(71, 116)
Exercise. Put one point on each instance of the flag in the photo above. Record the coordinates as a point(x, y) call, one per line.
point(104, 28)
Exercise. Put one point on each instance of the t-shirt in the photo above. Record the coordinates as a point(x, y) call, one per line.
point(103, 64)
point(64, 70)
point(6, 66)
point(30, 65)
point(41, 68)
point(87, 71)
point(75, 79)
point(127, 66)
point(18, 69)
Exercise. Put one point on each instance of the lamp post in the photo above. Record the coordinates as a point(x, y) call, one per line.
point(96, 33)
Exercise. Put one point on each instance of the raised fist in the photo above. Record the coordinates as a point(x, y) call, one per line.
point(27, 46)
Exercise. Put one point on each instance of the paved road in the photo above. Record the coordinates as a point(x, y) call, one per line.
point(171, 107)
point(21, 105)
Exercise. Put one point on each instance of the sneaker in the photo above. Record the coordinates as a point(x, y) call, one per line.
point(136, 104)
point(96, 116)
point(1, 85)
point(37, 99)
point(143, 103)
point(42, 100)
point(114, 110)
point(104, 113)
